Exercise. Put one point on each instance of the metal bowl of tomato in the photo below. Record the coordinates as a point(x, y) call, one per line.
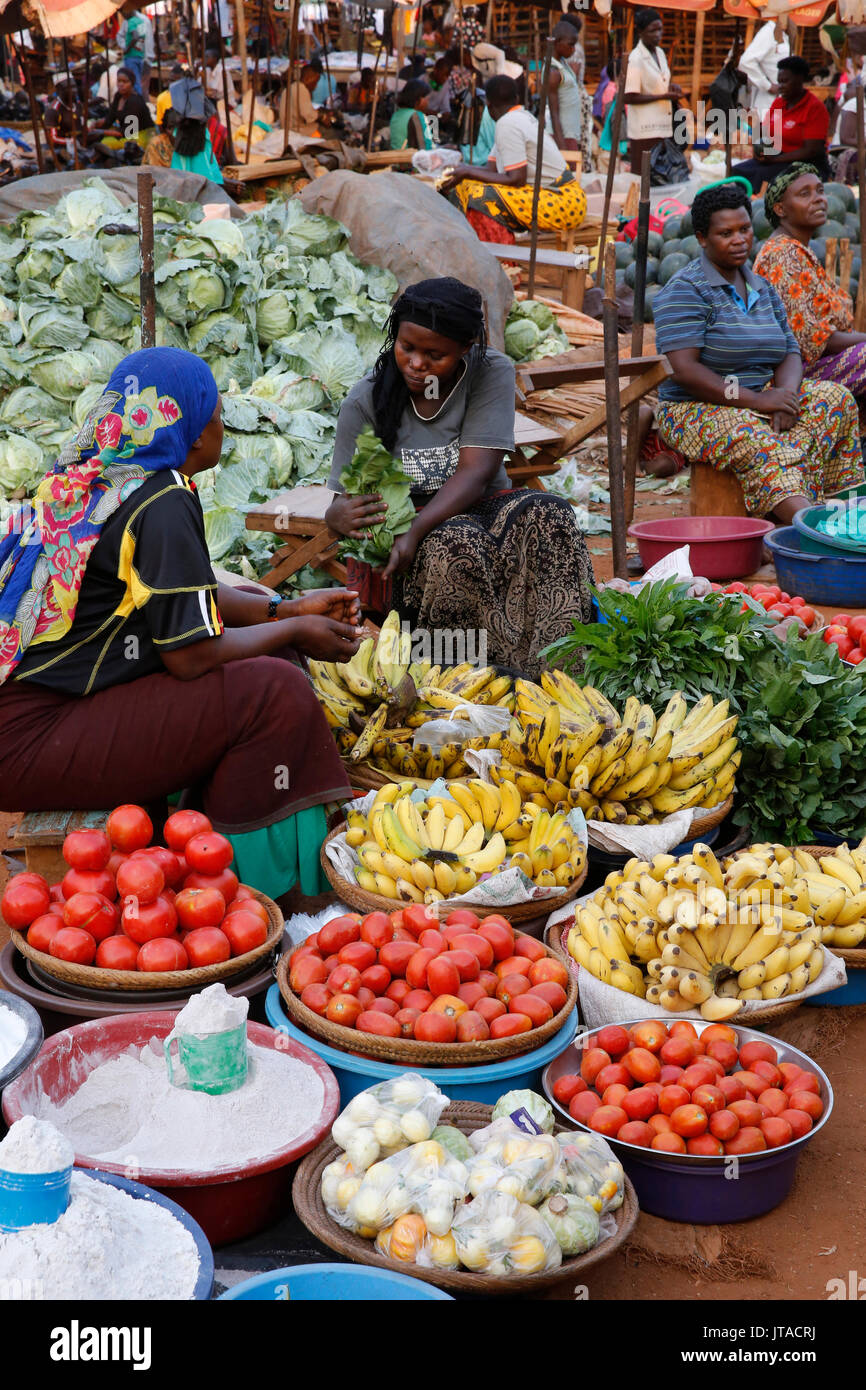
point(702, 1188)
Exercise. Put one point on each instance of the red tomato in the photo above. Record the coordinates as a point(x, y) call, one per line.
point(208, 853)
point(642, 1064)
point(855, 657)
point(842, 642)
point(613, 1095)
point(608, 1120)
point(747, 1140)
point(344, 980)
point(24, 901)
point(592, 1062)
point(781, 610)
point(140, 878)
point(40, 932)
point(397, 990)
point(199, 907)
point(514, 965)
point(467, 965)
point(115, 862)
point(471, 993)
point(87, 849)
point(490, 1008)
point(650, 1036)
point(732, 1089)
point(807, 1101)
point(181, 826)
point(418, 917)
point(488, 982)
point(671, 1098)
point(612, 1039)
point(709, 1098)
point(839, 620)
point(511, 986)
point(73, 944)
point(117, 953)
point(249, 905)
point(377, 928)
point(84, 881)
point(533, 1007)
point(383, 1006)
point(636, 1132)
point(753, 1084)
point(718, 1031)
point(529, 947)
point(640, 1103)
point(376, 978)
point(550, 971)
point(756, 1051)
point(129, 828)
point(509, 1025)
point(799, 1121)
point(416, 999)
point(567, 1086)
point(803, 1081)
point(669, 1144)
point(471, 1027)
point(432, 940)
point(679, 1051)
point(344, 1009)
point(497, 931)
point(660, 1124)
point(442, 974)
point(776, 1131)
point(552, 994)
point(748, 1112)
point(173, 871)
point(583, 1105)
point(416, 970)
point(805, 612)
point(477, 946)
point(366, 998)
point(309, 970)
point(207, 946)
point(773, 1101)
point(396, 955)
point(614, 1074)
point(723, 1052)
point(706, 1145)
point(407, 1018)
point(374, 1021)
point(689, 1121)
point(316, 997)
point(670, 1076)
point(144, 921)
point(724, 1125)
point(736, 588)
point(358, 953)
point(165, 954)
point(91, 912)
point(789, 1070)
point(225, 882)
point(698, 1074)
point(337, 933)
point(245, 932)
point(769, 1071)
point(463, 917)
point(436, 1028)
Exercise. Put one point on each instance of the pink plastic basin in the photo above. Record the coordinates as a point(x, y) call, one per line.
point(228, 1203)
point(722, 547)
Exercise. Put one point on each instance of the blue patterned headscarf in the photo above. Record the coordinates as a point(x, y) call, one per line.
point(155, 406)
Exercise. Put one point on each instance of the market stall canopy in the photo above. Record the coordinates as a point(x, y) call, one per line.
point(807, 15)
point(57, 18)
point(673, 4)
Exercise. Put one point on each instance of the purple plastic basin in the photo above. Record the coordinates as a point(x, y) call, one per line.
point(692, 1188)
point(722, 547)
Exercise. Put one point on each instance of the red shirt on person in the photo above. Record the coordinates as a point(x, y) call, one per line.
point(792, 126)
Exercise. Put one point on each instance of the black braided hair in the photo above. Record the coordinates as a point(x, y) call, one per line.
point(722, 197)
point(445, 306)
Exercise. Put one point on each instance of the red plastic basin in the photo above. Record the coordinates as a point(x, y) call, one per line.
point(228, 1203)
point(721, 547)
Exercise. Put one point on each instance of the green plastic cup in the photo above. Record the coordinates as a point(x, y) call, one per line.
point(214, 1062)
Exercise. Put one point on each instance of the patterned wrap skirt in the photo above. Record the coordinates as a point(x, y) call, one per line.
point(562, 207)
point(848, 368)
point(819, 456)
point(514, 568)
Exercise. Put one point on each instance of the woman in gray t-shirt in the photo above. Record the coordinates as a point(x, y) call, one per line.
point(480, 557)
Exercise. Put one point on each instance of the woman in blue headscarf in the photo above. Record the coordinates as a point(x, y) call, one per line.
point(127, 672)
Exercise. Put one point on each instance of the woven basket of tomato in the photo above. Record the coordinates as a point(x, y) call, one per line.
point(130, 915)
point(406, 988)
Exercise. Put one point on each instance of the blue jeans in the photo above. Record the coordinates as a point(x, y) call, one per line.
point(135, 66)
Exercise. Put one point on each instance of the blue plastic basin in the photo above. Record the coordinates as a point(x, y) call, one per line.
point(817, 542)
point(33, 1199)
point(838, 581)
point(852, 992)
point(483, 1084)
point(333, 1284)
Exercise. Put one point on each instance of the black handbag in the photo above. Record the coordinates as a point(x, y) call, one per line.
point(724, 90)
point(668, 164)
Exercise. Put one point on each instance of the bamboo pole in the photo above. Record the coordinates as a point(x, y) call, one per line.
point(241, 22)
point(86, 113)
point(614, 419)
point(254, 89)
point(860, 312)
point(697, 58)
point(157, 51)
point(633, 416)
point(287, 113)
point(230, 146)
point(539, 156)
point(72, 83)
point(615, 124)
point(34, 114)
point(145, 240)
point(325, 57)
point(372, 131)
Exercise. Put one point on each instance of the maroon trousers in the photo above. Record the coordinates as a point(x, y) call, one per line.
point(250, 736)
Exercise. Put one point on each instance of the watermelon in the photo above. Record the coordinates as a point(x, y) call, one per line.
point(620, 274)
point(672, 228)
point(843, 194)
point(691, 247)
point(654, 243)
point(624, 251)
point(671, 247)
point(819, 246)
point(651, 292)
point(831, 228)
point(652, 270)
point(761, 226)
point(686, 228)
point(852, 227)
point(836, 209)
point(670, 265)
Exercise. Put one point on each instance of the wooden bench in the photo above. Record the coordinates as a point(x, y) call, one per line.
point(40, 835)
point(571, 265)
point(715, 492)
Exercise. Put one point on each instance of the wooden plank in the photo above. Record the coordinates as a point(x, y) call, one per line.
point(283, 168)
point(308, 502)
point(567, 260)
point(40, 828)
point(633, 392)
point(539, 377)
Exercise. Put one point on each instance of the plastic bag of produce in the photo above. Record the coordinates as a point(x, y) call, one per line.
point(537, 1108)
point(425, 1179)
point(468, 721)
point(591, 1170)
point(498, 1235)
point(387, 1118)
point(408, 1239)
point(573, 1221)
point(508, 1160)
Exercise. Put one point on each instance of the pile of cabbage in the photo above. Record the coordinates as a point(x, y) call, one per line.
point(286, 317)
point(531, 332)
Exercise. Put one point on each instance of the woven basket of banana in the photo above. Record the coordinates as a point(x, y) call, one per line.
point(847, 930)
point(691, 933)
point(437, 849)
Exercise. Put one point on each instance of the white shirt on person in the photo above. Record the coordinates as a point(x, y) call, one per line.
point(516, 144)
point(760, 64)
point(648, 74)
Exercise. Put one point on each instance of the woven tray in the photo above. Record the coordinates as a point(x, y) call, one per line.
point(408, 1052)
point(854, 957)
point(139, 981)
point(467, 1116)
point(356, 897)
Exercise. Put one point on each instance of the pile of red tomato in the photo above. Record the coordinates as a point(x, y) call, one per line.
point(127, 904)
point(774, 600)
point(667, 1088)
point(406, 975)
point(848, 635)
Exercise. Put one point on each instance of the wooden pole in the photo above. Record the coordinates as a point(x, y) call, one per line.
point(254, 89)
point(614, 419)
point(145, 240)
point(86, 80)
point(633, 416)
point(241, 22)
point(72, 83)
point(325, 57)
point(539, 156)
point(157, 51)
point(293, 56)
point(34, 113)
point(203, 46)
point(230, 146)
point(697, 58)
point(860, 312)
point(615, 124)
point(371, 132)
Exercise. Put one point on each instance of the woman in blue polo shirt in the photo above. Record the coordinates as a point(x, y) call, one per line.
point(737, 398)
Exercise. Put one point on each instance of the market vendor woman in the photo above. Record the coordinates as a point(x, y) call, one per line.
point(480, 556)
point(128, 673)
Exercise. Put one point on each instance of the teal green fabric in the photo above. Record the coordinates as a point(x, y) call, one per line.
point(277, 857)
point(605, 140)
point(481, 150)
point(399, 128)
point(204, 164)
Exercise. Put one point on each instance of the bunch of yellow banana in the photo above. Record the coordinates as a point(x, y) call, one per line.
point(687, 933)
point(568, 746)
point(426, 851)
point(830, 888)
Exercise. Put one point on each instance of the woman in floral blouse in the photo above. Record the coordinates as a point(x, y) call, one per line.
point(819, 312)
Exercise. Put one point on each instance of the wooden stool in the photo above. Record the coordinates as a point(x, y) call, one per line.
point(298, 516)
point(40, 834)
point(715, 492)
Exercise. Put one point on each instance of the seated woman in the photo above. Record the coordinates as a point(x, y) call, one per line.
point(737, 398)
point(821, 314)
point(128, 116)
point(409, 127)
point(127, 672)
point(503, 189)
point(160, 149)
point(480, 556)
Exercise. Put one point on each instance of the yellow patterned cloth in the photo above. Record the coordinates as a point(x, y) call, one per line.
point(561, 207)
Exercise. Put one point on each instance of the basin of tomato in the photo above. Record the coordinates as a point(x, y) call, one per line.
point(697, 1148)
point(128, 904)
point(847, 633)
